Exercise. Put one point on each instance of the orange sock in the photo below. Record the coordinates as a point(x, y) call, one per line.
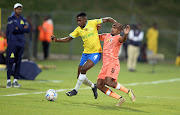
point(112, 94)
point(122, 88)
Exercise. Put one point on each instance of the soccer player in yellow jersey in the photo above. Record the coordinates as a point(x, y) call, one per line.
point(91, 55)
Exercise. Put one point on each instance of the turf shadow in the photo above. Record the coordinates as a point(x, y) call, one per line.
point(115, 108)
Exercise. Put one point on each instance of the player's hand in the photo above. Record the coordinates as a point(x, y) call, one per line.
point(127, 29)
point(99, 26)
point(26, 26)
point(53, 38)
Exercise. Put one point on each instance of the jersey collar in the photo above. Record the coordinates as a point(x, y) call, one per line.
point(86, 24)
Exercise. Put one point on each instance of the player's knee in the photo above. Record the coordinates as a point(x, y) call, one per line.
point(83, 70)
point(99, 85)
point(108, 82)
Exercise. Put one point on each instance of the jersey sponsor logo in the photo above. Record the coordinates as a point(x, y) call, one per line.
point(95, 57)
point(109, 40)
point(22, 22)
point(86, 36)
point(12, 55)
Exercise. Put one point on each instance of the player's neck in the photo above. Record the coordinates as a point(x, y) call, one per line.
point(114, 34)
point(17, 16)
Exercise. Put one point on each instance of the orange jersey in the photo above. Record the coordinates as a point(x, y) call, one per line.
point(3, 44)
point(111, 48)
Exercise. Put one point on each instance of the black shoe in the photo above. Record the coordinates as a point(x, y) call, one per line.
point(71, 93)
point(95, 91)
point(16, 84)
point(8, 85)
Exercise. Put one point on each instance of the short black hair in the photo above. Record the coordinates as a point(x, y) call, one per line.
point(82, 14)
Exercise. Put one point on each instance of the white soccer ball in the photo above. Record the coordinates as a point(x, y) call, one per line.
point(51, 95)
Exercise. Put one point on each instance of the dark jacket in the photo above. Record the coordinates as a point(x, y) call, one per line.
point(16, 36)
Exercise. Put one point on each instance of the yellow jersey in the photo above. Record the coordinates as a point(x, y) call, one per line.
point(152, 40)
point(177, 61)
point(89, 35)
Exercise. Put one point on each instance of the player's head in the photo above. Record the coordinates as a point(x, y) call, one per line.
point(154, 25)
point(46, 17)
point(138, 26)
point(81, 19)
point(116, 29)
point(18, 9)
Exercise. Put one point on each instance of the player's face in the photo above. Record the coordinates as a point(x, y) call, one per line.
point(81, 21)
point(18, 11)
point(115, 30)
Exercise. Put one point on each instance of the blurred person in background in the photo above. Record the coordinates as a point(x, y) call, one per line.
point(45, 32)
point(16, 27)
point(152, 39)
point(3, 47)
point(177, 62)
point(135, 38)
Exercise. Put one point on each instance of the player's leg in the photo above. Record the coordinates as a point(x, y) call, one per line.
point(17, 66)
point(93, 59)
point(10, 58)
point(101, 86)
point(135, 57)
point(112, 83)
point(86, 81)
point(84, 66)
point(79, 71)
point(80, 77)
point(111, 79)
point(130, 57)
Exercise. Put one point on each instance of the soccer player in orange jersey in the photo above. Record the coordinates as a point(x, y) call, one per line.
point(110, 69)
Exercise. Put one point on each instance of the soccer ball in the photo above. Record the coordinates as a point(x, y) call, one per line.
point(51, 95)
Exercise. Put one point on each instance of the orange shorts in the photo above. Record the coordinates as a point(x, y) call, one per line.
point(110, 70)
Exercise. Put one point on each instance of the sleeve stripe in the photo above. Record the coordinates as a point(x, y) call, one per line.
point(101, 20)
point(71, 36)
point(26, 23)
point(10, 22)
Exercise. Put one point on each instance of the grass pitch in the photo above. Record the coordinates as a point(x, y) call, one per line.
point(156, 93)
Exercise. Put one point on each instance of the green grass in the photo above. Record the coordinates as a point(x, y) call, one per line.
point(153, 99)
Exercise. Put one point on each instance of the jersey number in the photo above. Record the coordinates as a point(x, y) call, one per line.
point(112, 71)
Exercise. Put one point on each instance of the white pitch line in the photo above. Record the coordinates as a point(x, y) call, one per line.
point(152, 82)
point(159, 97)
point(131, 84)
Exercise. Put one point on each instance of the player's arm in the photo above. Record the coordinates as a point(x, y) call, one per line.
point(102, 36)
point(26, 27)
point(109, 19)
point(126, 31)
point(11, 26)
point(65, 39)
